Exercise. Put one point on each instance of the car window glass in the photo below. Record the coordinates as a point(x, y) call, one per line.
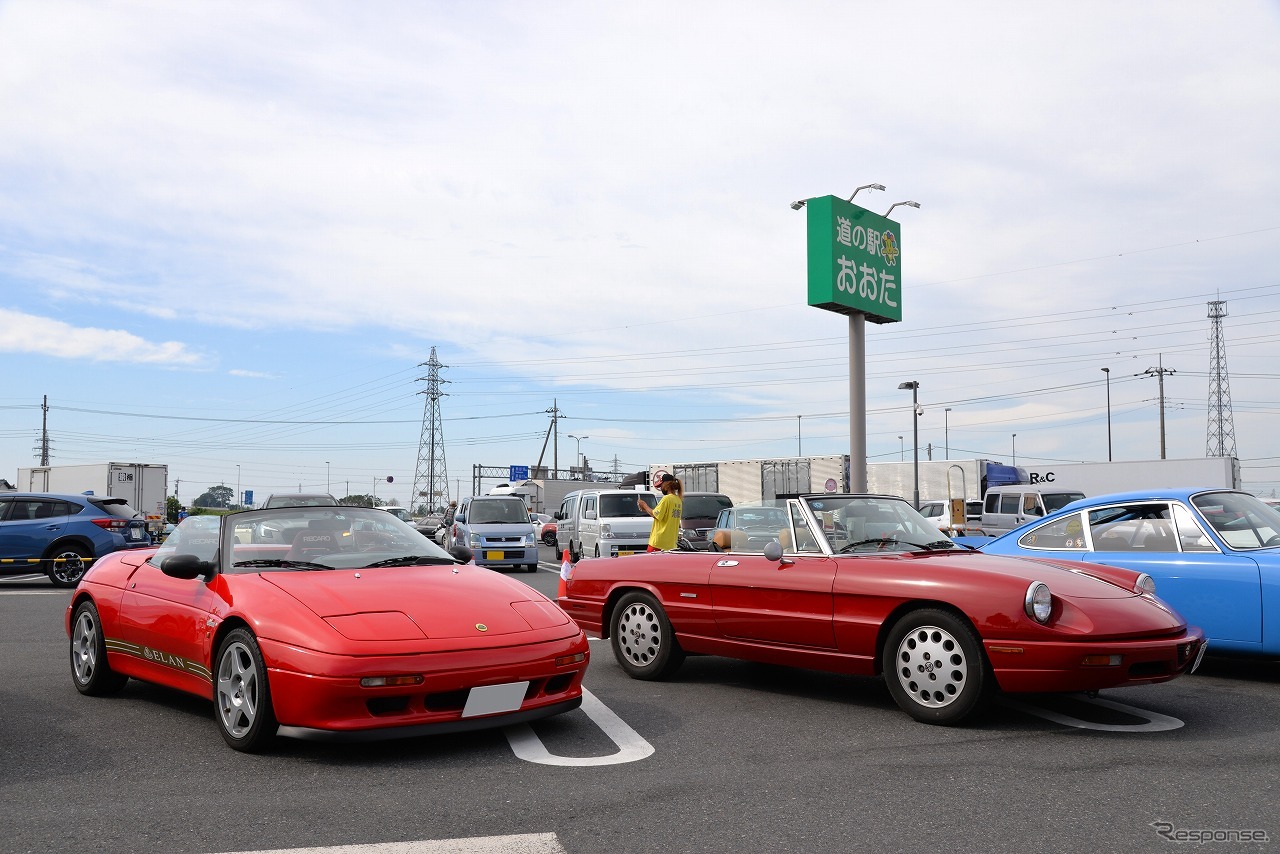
point(1031, 504)
point(625, 506)
point(1064, 533)
point(1190, 536)
point(798, 538)
point(1242, 521)
point(1009, 504)
point(497, 513)
point(1057, 500)
point(1132, 527)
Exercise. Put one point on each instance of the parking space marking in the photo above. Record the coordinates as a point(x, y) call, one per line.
point(1155, 722)
point(631, 746)
point(34, 592)
point(524, 843)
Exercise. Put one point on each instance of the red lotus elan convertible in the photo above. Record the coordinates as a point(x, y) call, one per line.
point(324, 622)
point(863, 584)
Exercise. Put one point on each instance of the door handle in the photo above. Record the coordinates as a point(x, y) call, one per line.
point(726, 563)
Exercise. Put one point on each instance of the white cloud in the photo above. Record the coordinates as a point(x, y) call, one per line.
point(26, 333)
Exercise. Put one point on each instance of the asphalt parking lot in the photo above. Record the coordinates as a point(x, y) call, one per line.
point(727, 756)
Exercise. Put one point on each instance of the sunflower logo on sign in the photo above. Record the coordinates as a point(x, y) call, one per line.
point(889, 247)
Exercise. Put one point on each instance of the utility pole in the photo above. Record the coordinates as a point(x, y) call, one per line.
point(44, 431)
point(1159, 373)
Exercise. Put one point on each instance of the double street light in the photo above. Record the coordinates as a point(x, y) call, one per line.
point(577, 459)
point(914, 385)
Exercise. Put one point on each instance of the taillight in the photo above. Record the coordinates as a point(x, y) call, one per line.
point(111, 524)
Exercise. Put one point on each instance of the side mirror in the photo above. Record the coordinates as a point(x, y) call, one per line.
point(557, 515)
point(185, 566)
point(459, 518)
point(460, 553)
point(773, 550)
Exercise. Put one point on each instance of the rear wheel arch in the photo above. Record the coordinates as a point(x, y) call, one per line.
point(75, 540)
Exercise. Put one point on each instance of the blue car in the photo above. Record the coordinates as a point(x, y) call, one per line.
point(63, 534)
point(1214, 555)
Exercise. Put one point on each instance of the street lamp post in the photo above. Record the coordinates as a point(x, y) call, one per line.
point(914, 385)
point(946, 433)
point(577, 458)
point(1015, 449)
point(326, 476)
point(902, 450)
point(238, 501)
point(1107, 371)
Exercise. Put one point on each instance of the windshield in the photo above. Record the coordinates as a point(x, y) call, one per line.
point(1241, 520)
point(704, 506)
point(1057, 500)
point(497, 512)
point(625, 506)
point(302, 538)
point(860, 523)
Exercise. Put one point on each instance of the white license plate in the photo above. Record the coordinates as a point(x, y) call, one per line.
point(492, 699)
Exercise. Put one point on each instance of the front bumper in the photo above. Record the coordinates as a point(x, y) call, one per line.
point(1060, 666)
point(317, 691)
point(505, 555)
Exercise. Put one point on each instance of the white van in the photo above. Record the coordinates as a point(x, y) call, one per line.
point(604, 522)
point(1007, 507)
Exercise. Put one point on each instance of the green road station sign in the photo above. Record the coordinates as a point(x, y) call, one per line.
point(855, 260)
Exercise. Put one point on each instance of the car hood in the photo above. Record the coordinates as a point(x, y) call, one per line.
point(412, 603)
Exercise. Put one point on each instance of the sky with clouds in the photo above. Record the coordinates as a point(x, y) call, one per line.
point(231, 233)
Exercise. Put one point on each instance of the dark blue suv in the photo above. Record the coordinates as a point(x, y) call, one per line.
point(63, 534)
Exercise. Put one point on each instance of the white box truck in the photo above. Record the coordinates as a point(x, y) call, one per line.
point(143, 485)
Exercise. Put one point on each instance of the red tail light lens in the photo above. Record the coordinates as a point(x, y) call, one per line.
point(111, 524)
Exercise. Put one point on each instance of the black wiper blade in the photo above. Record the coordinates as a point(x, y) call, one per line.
point(281, 562)
point(410, 560)
point(883, 543)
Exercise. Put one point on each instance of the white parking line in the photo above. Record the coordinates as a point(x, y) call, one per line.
point(1155, 722)
point(631, 747)
point(524, 843)
point(34, 592)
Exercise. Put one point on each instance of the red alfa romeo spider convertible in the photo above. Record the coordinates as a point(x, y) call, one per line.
point(324, 621)
point(864, 585)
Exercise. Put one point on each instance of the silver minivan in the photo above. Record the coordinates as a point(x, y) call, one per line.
point(497, 530)
point(604, 522)
point(1006, 507)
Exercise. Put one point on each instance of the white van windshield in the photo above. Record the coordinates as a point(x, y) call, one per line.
point(625, 506)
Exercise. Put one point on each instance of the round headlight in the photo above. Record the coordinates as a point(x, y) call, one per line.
point(1039, 602)
point(1145, 584)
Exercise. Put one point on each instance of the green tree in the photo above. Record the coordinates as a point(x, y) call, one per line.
point(362, 501)
point(172, 507)
point(216, 496)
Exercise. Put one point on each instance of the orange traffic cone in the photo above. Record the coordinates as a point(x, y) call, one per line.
point(565, 568)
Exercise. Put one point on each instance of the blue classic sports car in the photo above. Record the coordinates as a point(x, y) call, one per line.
point(1214, 555)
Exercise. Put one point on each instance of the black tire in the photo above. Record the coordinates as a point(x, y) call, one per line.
point(643, 641)
point(549, 539)
point(90, 671)
point(531, 567)
point(575, 554)
point(241, 693)
point(67, 564)
point(935, 668)
point(597, 550)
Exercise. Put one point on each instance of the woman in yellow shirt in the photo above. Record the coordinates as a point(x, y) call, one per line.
point(666, 516)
